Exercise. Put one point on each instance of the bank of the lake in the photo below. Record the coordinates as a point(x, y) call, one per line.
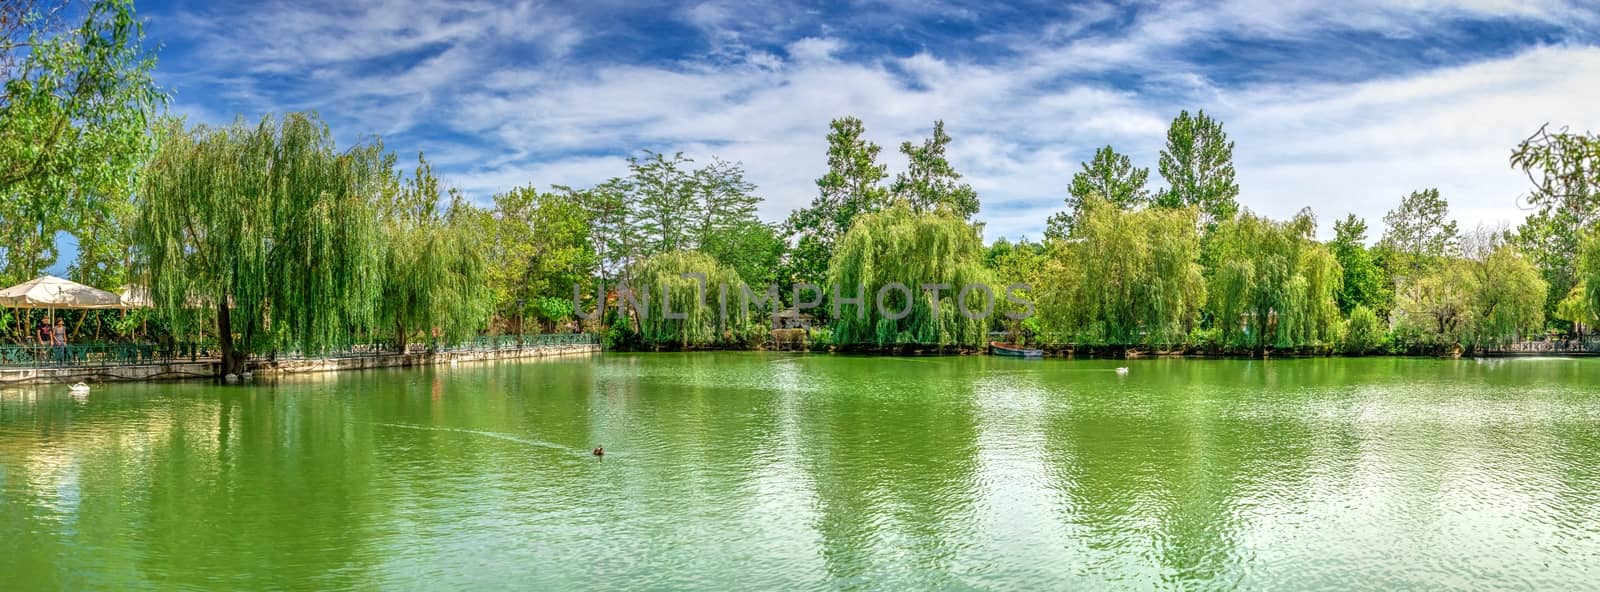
point(778, 471)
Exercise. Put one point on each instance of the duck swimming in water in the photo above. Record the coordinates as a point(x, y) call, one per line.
point(600, 451)
point(1122, 371)
point(79, 388)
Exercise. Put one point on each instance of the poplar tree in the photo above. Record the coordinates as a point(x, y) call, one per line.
point(930, 182)
point(852, 187)
point(1109, 176)
point(1198, 166)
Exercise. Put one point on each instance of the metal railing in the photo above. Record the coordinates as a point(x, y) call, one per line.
point(102, 354)
point(127, 354)
point(1587, 345)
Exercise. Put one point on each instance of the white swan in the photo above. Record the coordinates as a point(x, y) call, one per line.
point(1123, 371)
point(79, 388)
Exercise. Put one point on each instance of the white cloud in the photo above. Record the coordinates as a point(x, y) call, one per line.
point(1021, 125)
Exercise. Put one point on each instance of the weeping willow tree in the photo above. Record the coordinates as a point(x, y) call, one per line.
point(712, 314)
point(1125, 278)
point(434, 273)
point(1507, 293)
point(887, 257)
point(1274, 285)
point(269, 225)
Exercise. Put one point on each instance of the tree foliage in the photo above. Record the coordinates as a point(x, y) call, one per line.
point(713, 314)
point(1508, 296)
point(434, 274)
point(852, 187)
point(1489, 296)
point(1419, 233)
point(539, 245)
point(75, 114)
point(930, 182)
point(1198, 166)
point(1363, 332)
point(1564, 170)
point(1365, 283)
point(900, 246)
point(1109, 176)
point(270, 217)
point(1124, 278)
point(1276, 285)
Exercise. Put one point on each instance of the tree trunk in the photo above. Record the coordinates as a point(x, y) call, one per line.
point(232, 362)
point(400, 336)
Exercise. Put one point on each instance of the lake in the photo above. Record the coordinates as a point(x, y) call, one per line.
point(794, 472)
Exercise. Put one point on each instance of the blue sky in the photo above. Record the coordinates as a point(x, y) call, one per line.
point(1341, 106)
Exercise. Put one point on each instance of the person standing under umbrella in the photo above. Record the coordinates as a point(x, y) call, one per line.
point(58, 339)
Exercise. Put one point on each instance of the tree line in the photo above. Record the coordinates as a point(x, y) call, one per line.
point(269, 237)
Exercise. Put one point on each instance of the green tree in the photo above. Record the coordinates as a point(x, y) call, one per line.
point(1109, 176)
point(1125, 278)
point(74, 120)
point(667, 196)
point(851, 187)
point(1589, 270)
point(1364, 283)
point(899, 246)
point(753, 249)
point(608, 208)
point(1198, 166)
point(251, 219)
point(434, 270)
point(1564, 170)
point(727, 202)
point(1433, 310)
point(540, 246)
point(712, 312)
point(1276, 285)
point(1364, 332)
point(1419, 234)
point(1011, 264)
point(1507, 297)
point(930, 182)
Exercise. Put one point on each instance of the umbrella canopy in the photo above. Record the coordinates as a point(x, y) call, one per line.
point(133, 296)
point(48, 291)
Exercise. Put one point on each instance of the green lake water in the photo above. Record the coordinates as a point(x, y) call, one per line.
point(739, 471)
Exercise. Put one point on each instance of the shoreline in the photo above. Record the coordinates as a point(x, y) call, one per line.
point(210, 369)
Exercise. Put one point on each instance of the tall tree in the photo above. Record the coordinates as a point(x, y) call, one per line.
point(727, 202)
point(712, 312)
point(74, 121)
point(1419, 234)
point(272, 217)
point(667, 198)
point(1198, 166)
point(1128, 278)
point(434, 268)
point(541, 247)
point(898, 245)
point(1507, 293)
point(1364, 282)
point(751, 248)
point(851, 187)
point(1564, 169)
point(1275, 285)
point(930, 182)
point(608, 208)
point(1109, 176)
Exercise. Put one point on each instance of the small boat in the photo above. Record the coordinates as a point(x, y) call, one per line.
point(79, 388)
point(1014, 351)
